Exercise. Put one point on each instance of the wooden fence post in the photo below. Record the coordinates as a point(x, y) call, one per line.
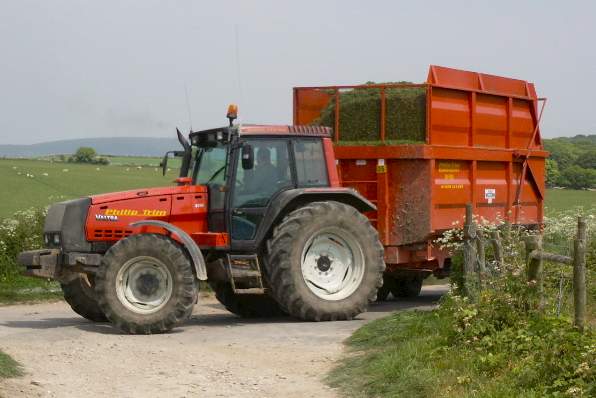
point(497, 248)
point(480, 258)
point(470, 255)
point(579, 275)
point(534, 263)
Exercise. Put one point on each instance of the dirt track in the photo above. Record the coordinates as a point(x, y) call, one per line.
point(215, 354)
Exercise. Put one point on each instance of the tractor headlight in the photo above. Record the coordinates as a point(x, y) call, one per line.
point(52, 238)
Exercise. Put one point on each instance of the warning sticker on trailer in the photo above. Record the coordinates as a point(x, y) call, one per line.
point(490, 194)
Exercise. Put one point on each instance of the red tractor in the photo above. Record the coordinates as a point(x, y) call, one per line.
point(258, 212)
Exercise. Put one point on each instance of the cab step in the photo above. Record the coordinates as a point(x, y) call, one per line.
point(244, 273)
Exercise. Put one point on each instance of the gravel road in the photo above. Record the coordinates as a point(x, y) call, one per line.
point(214, 354)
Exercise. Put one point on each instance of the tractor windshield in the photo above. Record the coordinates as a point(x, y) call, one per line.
point(209, 164)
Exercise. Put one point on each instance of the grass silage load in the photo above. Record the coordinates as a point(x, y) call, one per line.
point(360, 115)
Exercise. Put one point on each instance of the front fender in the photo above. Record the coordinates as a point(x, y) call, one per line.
point(190, 245)
point(291, 199)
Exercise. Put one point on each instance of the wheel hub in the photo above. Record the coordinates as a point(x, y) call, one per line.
point(147, 284)
point(332, 264)
point(144, 284)
point(324, 263)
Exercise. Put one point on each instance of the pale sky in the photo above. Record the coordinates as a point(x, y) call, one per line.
point(75, 69)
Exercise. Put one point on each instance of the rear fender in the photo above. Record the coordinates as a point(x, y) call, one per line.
point(292, 199)
point(190, 245)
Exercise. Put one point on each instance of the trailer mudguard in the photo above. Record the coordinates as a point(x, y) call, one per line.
point(289, 200)
point(190, 245)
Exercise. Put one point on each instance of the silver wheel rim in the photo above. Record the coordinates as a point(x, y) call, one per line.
point(144, 285)
point(332, 264)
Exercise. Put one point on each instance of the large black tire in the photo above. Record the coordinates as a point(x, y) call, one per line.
point(79, 293)
point(246, 305)
point(284, 264)
point(407, 287)
point(169, 257)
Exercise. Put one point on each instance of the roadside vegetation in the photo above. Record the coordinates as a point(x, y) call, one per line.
point(9, 367)
point(497, 345)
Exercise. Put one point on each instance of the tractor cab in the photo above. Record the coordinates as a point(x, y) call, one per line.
point(247, 167)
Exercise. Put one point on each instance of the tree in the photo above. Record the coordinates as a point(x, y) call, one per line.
point(587, 159)
point(553, 175)
point(565, 153)
point(84, 155)
point(577, 177)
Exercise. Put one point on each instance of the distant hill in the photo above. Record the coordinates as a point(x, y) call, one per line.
point(117, 146)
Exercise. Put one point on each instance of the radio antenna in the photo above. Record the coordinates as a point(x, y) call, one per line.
point(188, 106)
point(238, 74)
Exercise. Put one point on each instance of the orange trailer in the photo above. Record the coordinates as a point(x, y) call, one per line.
point(482, 147)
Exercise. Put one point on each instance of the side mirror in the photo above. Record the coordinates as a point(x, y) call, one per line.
point(248, 157)
point(164, 163)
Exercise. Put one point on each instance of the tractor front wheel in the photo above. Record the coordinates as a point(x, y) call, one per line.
point(79, 293)
point(145, 284)
point(325, 262)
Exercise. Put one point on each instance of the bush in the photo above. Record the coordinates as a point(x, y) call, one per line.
point(23, 231)
point(83, 155)
point(360, 114)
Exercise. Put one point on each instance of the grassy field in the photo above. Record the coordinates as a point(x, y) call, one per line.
point(141, 161)
point(564, 199)
point(37, 183)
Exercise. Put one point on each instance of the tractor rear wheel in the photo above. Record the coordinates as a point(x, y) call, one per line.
point(407, 287)
point(79, 293)
point(146, 285)
point(246, 305)
point(325, 262)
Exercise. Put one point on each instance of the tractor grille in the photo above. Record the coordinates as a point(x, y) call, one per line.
point(113, 234)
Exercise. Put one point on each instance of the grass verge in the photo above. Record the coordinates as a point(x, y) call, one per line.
point(414, 354)
point(24, 289)
point(9, 367)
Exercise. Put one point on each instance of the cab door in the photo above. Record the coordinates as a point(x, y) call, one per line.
point(253, 189)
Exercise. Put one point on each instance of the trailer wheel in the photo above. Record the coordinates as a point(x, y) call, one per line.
point(325, 262)
point(407, 287)
point(388, 286)
point(145, 284)
point(246, 305)
point(79, 293)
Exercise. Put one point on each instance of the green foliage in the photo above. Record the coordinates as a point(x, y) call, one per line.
point(83, 155)
point(572, 161)
point(21, 232)
point(587, 159)
point(502, 344)
point(360, 114)
point(553, 175)
point(577, 177)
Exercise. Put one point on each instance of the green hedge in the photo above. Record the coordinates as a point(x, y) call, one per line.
point(22, 231)
point(360, 114)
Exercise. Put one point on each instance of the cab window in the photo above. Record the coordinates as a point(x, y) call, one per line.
point(311, 168)
point(270, 174)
